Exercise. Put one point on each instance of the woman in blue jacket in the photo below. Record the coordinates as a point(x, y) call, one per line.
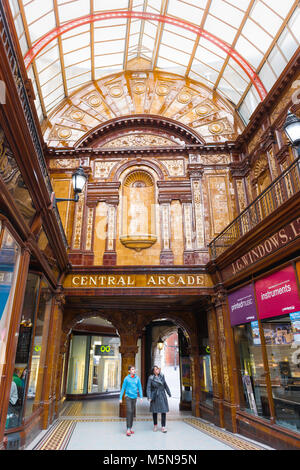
point(131, 386)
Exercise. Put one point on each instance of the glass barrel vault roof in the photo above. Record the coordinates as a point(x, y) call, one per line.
point(236, 47)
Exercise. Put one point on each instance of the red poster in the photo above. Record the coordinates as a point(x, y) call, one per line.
point(278, 294)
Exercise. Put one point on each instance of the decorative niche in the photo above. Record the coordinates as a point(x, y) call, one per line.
point(138, 211)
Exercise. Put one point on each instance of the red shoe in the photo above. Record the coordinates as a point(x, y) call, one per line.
point(131, 431)
point(128, 433)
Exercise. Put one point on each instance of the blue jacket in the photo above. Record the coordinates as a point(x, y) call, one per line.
point(131, 387)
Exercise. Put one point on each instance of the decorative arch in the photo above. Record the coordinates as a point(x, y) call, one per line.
point(183, 132)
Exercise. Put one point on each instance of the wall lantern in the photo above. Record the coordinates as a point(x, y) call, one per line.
point(292, 129)
point(160, 344)
point(79, 179)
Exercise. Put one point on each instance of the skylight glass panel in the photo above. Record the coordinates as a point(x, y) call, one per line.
point(42, 26)
point(226, 12)
point(294, 24)
point(233, 64)
point(174, 54)
point(209, 58)
point(241, 4)
point(287, 43)
point(177, 41)
point(267, 76)
point(49, 72)
point(100, 5)
point(58, 93)
point(77, 56)
point(210, 46)
point(266, 18)
point(205, 71)
point(109, 47)
point(237, 82)
point(78, 69)
point(52, 85)
point(277, 61)
point(185, 11)
point(79, 80)
point(109, 32)
point(282, 7)
point(249, 52)
point(229, 91)
point(71, 10)
point(36, 9)
point(257, 36)
point(108, 60)
point(70, 44)
point(220, 29)
point(44, 60)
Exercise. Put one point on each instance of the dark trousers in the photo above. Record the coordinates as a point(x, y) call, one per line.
point(130, 410)
point(163, 419)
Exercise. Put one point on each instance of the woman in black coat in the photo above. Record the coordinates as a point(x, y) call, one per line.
point(156, 392)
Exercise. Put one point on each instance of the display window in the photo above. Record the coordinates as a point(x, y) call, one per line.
point(278, 303)
point(31, 351)
point(206, 378)
point(20, 374)
point(94, 365)
point(9, 264)
point(39, 349)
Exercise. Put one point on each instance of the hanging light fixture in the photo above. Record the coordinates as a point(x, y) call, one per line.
point(160, 344)
point(79, 179)
point(292, 128)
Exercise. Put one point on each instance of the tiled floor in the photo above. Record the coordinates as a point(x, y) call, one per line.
point(95, 425)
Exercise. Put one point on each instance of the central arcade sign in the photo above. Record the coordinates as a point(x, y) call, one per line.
point(137, 281)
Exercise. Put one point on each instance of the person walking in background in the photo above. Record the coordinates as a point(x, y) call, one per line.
point(132, 387)
point(156, 392)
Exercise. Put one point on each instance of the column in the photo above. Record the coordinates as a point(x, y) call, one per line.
point(110, 254)
point(166, 254)
point(227, 363)
point(187, 217)
point(128, 350)
point(49, 385)
point(200, 250)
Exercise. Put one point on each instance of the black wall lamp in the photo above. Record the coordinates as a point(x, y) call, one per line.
point(79, 179)
point(292, 129)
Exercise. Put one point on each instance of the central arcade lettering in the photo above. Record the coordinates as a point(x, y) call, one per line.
point(287, 234)
point(172, 280)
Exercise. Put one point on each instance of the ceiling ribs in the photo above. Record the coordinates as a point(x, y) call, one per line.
point(60, 48)
point(287, 19)
point(35, 72)
point(159, 31)
point(246, 16)
point(125, 60)
point(205, 14)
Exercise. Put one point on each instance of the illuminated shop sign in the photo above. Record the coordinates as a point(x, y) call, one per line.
point(278, 294)
point(242, 306)
point(103, 350)
point(138, 280)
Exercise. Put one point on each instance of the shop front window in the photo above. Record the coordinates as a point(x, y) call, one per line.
point(282, 337)
point(39, 348)
point(9, 263)
point(20, 375)
point(207, 387)
point(94, 365)
point(253, 388)
point(105, 365)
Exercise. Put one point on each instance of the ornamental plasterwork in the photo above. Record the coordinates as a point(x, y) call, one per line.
point(64, 163)
point(175, 167)
point(103, 169)
point(214, 159)
point(152, 93)
point(140, 140)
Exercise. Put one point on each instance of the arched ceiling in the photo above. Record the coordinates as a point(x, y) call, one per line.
point(210, 117)
point(236, 47)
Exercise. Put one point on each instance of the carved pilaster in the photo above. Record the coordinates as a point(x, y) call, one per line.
point(110, 255)
point(187, 216)
point(196, 171)
point(166, 255)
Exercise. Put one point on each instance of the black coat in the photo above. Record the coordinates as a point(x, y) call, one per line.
point(156, 392)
